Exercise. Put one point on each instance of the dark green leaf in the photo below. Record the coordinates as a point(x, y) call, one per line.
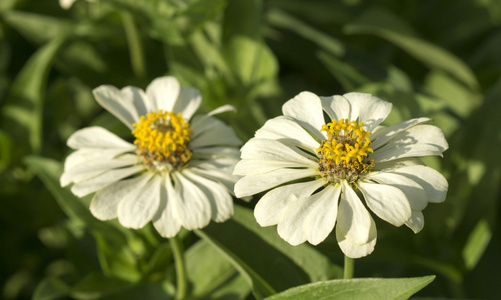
point(50, 288)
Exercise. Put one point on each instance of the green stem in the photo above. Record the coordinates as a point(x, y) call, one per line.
point(177, 251)
point(348, 267)
point(135, 46)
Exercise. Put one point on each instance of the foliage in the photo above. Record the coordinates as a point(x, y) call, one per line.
point(435, 59)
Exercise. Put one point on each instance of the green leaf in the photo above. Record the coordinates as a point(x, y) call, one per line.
point(476, 244)
point(50, 288)
point(388, 26)
point(212, 275)
point(95, 285)
point(26, 102)
point(267, 262)
point(38, 28)
point(353, 289)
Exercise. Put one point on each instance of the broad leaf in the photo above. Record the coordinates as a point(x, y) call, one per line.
point(354, 289)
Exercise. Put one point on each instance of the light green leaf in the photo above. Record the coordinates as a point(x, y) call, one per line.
point(50, 288)
point(476, 244)
point(388, 26)
point(38, 28)
point(27, 93)
point(353, 289)
point(328, 43)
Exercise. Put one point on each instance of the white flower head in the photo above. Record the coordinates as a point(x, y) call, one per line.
point(178, 170)
point(317, 171)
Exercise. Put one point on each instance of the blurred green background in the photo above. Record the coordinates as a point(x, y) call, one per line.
point(433, 58)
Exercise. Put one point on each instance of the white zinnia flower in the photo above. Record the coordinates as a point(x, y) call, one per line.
point(178, 171)
point(318, 170)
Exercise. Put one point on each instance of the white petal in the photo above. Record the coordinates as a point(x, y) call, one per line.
point(93, 168)
point(353, 220)
point(337, 107)
point(211, 170)
point(104, 204)
point(128, 104)
point(416, 222)
point(271, 206)
point(432, 181)
point(89, 186)
point(253, 184)
point(287, 130)
point(89, 154)
point(420, 140)
point(384, 135)
point(220, 200)
point(354, 250)
point(306, 108)
point(222, 109)
point(387, 202)
point(262, 149)
point(192, 206)
point(391, 165)
point(291, 226)
point(188, 101)
point(368, 109)
point(209, 131)
point(162, 93)
point(165, 221)
point(322, 218)
point(413, 191)
point(97, 137)
point(254, 167)
point(138, 207)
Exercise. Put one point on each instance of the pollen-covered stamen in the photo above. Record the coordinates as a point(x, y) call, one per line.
point(345, 152)
point(162, 140)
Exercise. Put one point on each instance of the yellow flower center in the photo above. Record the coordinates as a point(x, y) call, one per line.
point(162, 140)
point(344, 154)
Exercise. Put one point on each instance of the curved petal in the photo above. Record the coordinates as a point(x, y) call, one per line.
point(354, 250)
point(420, 140)
point(287, 130)
point(162, 93)
point(209, 131)
point(432, 181)
point(322, 218)
point(416, 222)
point(306, 109)
point(104, 204)
point(128, 104)
point(193, 208)
point(97, 137)
point(84, 155)
point(336, 107)
point(95, 183)
point(166, 221)
point(413, 191)
point(387, 202)
point(368, 109)
point(392, 165)
point(353, 220)
point(291, 226)
point(253, 184)
point(271, 206)
point(220, 200)
point(138, 207)
point(263, 149)
point(188, 102)
point(255, 167)
point(93, 168)
point(222, 109)
point(384, 135)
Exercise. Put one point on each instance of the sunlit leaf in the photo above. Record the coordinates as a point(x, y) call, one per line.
point(50, 288)
point(353, 289)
